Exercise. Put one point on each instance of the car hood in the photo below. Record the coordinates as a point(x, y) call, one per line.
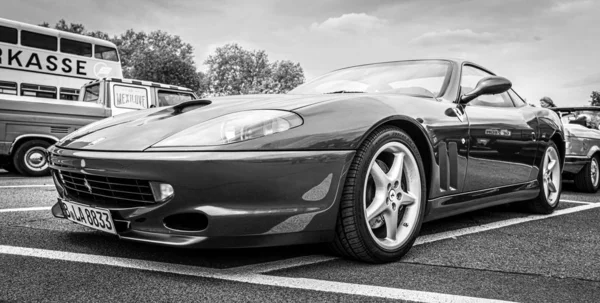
point(137, 131)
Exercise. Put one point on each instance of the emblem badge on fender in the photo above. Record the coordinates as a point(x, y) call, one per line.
point(87, 185)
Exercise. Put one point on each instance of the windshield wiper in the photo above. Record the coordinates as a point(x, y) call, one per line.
point(345, 92)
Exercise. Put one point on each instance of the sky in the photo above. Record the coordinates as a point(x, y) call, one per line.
point(545, 47)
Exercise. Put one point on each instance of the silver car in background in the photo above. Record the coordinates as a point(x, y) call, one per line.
point(582, 130)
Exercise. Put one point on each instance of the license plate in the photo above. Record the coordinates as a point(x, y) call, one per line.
point(96, 218)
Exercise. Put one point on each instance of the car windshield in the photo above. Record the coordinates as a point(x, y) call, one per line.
point(587, 118)
point(417, 78)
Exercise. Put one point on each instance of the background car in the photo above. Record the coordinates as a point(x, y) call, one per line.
point(583, 146)
point(358, 158)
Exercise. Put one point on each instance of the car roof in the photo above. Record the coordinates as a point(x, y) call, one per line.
point(141, 82)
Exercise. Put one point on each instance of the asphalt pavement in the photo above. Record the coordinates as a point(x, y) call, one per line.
point(500, 254)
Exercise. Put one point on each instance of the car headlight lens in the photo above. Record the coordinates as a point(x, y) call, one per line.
point(236, 127)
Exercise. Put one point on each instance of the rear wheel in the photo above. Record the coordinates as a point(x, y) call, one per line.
point(550, 180)
point(588, 179)
point(30, 159)
point(384, 198)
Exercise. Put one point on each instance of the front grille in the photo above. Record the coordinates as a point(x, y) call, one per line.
point(106, 191)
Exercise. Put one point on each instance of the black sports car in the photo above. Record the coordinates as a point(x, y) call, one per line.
point(359, 158)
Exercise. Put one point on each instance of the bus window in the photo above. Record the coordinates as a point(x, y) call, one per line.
point(92, 93)
point(8, 88)
point(39, 40)
point(8, 35)
point(75, 47)
point(167, 98)
point(38, 91)
point(69, 94)
point(106, 53)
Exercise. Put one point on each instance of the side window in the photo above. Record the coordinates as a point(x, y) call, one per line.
point(470, 76)
point(75, 47)
point(106, 53)
point(168, 98)
point(38, 91)
point(92, 94)
point(69, 94)
point(516, 98)
point(39, 41)
point(8, 88)
point(130, 97)
point(8, 35)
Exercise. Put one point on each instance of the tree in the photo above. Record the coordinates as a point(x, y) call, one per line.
point(62, 25)
point(232, 70)
point(595, 98)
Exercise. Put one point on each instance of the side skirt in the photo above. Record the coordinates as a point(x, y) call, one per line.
point(461, 203)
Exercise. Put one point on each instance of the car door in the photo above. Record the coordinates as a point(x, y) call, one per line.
point(502, 137)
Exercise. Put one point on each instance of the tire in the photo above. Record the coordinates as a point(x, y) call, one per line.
point(30, 158)
point(549, 195)
point(588, 179)
point(401, 197)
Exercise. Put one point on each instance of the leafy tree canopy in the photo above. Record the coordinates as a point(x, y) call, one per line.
point(595, 98)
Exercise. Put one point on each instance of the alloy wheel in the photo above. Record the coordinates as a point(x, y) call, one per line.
point(551, 175)
point(392, 195)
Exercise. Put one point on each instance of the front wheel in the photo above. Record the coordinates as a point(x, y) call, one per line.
point(383, 201)
point(550, 180)
point(30, 159)
point(588, 179)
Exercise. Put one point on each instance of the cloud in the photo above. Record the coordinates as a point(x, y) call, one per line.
point(349, 23)
point(593, 79)
point(570, 6)
point(459, 36)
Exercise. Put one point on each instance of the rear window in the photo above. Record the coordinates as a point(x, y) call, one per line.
point(8, 35)
point(106, 53)
point(8, 88)
point(92, 93)
point(76, 47)
point(39, 41)
point(167, 98)
point(38, 91)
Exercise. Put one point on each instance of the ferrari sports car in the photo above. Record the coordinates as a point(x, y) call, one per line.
point(358, 158)
point(582, 133)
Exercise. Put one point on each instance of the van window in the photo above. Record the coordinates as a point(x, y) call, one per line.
point(69, 94)
point(8, 35)
point(130, 97)
point(106, 53)
point(75, 47)
point(168, 98)
point(38, 91)
point(92, 93)
point(8, 88)
point(39, 41)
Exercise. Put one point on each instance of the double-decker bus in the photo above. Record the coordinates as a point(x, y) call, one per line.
point(50, 64)
point(41, 73)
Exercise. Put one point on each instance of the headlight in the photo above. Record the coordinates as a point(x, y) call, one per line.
point(236, 127)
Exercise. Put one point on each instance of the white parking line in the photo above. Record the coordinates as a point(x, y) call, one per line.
point(308, 260)
point(296, 283)
point(27, 186)
point(499, 224)
point(10, 210)
point(573, 201)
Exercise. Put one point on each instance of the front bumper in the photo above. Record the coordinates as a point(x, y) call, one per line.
point(574, 164)
point(250, 198)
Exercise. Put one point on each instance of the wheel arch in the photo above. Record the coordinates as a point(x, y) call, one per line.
point(25, 138)
point(418, 134)
point(559, 141)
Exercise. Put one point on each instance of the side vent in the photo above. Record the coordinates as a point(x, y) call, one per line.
point(448, 161)
point(59, 130)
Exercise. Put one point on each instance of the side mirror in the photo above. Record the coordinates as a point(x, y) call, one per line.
point(487, 86)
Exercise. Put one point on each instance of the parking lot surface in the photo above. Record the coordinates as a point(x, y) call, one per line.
point(496, 254)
